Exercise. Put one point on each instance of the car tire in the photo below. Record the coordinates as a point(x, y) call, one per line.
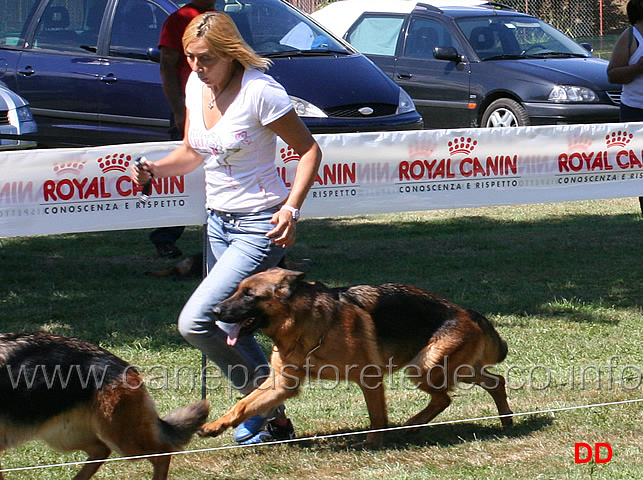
point(505, 112)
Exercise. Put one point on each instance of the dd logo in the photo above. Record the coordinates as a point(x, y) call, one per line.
point(583, 453)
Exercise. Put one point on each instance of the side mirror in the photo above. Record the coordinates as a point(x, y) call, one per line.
point(588, 47)
point(154, 54)
point(447, 53)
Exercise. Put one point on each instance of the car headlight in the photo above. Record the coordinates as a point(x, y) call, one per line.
point(19, 116)
point(405, 103)
point(306, 109)
point(570, 93)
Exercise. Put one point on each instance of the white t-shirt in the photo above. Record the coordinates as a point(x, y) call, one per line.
point(632, 94)
point(240, 171)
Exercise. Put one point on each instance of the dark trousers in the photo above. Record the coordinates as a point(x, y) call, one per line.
point(166, 235)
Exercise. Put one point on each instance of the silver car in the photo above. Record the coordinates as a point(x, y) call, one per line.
point(15, 119)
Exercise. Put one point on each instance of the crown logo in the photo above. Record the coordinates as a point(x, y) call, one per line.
point(579, 143)
point(69, 167)
point(117, 162)
point(462, 145)
point(421, 149)
point(288, 154)
point(618, 139)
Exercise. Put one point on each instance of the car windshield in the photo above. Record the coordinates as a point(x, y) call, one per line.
point(504, 37)
point(273, 29)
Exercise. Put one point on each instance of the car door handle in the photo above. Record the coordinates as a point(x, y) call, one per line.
point(404, 75)
point(27, 72)
point(109, 78)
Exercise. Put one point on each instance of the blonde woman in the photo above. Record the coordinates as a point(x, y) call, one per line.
point(234, 111)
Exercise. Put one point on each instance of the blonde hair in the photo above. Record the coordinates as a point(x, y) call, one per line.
point(223, 39)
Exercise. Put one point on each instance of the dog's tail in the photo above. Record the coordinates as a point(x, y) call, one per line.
point(499, 344)
point(178, 426)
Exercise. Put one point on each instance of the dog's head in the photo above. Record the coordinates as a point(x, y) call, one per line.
point(259, 299)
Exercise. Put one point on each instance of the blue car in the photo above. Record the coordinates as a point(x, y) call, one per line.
point(89, 69)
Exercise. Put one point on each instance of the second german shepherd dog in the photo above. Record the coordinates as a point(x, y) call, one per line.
point(358, 333)
point(77, 396)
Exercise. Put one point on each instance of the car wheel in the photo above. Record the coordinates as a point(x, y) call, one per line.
point(505, 112)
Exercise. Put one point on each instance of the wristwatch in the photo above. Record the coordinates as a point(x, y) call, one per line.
point(293, 210)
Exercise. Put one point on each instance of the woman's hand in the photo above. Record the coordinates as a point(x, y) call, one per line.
point(142, 175)
point(285, 230)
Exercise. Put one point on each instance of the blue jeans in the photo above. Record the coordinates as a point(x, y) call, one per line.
point(240, 247)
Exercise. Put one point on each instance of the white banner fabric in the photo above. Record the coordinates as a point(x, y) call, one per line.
point(89, 189)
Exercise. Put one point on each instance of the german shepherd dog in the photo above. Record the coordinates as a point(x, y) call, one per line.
point(358, 333)
point(77, 396)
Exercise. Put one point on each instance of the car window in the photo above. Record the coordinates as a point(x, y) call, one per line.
point(271, 27)
point(423, 36)
point(14, 20)
point(136, 28)
point(515, 36)
point(69, 25)
point(59, 26)
point(376, 35)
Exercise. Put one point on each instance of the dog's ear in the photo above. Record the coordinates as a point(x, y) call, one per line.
point(288, 283)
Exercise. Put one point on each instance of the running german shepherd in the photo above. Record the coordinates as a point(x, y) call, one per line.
point(358, 333)
point(77, 396)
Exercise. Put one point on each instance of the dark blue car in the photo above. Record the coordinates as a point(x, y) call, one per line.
point(89, 69)
point(469, 63)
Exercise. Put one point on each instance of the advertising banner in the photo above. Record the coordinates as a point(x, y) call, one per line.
point(89, 189)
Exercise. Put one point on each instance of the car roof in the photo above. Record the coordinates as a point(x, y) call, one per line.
point(339, 16)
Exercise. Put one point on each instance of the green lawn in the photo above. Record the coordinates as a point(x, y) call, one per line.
point(562, 283)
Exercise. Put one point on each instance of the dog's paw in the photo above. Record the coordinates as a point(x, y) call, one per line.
point(212, 429)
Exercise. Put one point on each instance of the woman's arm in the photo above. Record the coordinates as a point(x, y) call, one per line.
point(180, 161)
point(293, 131)
point(618, 70)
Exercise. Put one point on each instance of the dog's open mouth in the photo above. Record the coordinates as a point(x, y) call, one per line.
point(234, 330)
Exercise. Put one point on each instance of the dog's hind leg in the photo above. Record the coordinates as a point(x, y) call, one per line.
point(97, 451)
point(161, 466)
point(436, 380)
point(440, 400)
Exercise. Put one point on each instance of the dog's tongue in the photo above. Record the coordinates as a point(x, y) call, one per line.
point(233, 333)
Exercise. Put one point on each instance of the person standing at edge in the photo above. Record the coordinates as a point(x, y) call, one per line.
point(626, 66)
point(234, 113)
point(174, 75)
point(174, 66)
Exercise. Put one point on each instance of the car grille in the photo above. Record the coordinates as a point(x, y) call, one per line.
point(352, 111)
point(615, 96)
point(4, 117)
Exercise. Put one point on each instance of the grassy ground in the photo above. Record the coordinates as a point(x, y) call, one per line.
point(562, 282)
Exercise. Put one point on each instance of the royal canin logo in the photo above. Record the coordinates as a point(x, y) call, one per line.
point(112, 184)
point(328, 175)
point(288, 154)
point(580, 158)
point(462, 145)
point(423, 168)
point(618, 139)
point(65, 168)
point(114, 163)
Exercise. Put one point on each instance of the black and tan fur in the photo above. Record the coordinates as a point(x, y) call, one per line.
point(77, 396)
point(191, 266)
point(369, 329)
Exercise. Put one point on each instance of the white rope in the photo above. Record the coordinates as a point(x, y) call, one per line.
point(325, 437)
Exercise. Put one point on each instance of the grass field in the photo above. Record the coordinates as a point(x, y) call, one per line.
point(562, 283)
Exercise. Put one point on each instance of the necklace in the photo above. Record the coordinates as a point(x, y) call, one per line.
point(212, 101)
